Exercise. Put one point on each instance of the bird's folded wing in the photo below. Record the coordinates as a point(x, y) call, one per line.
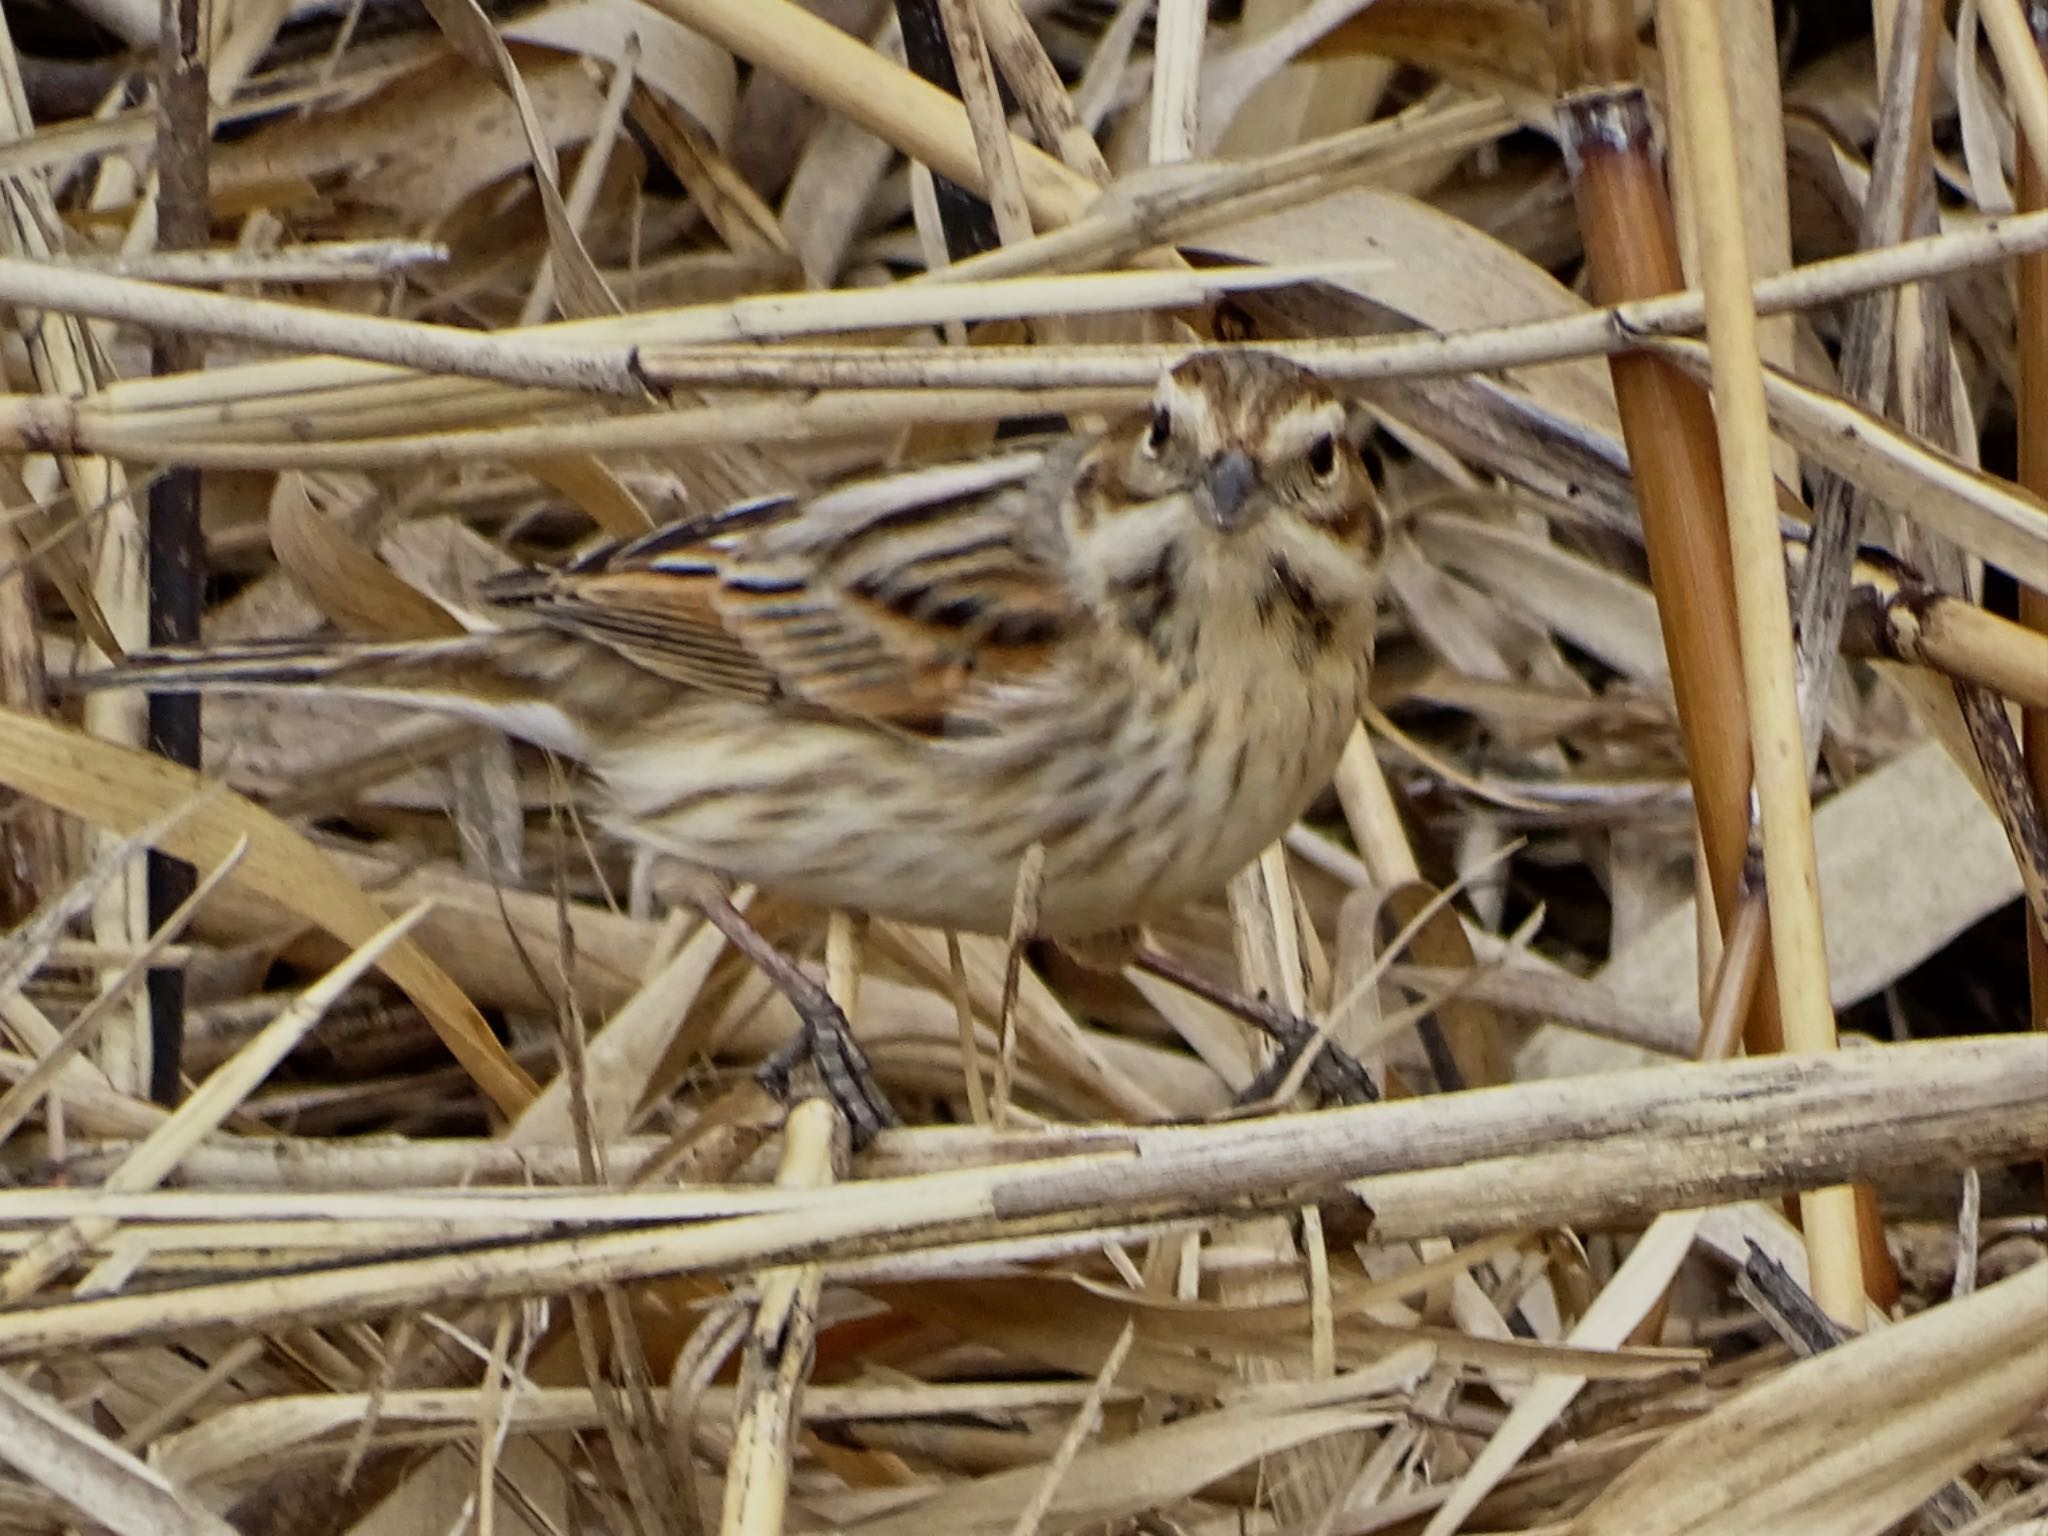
point(886, 599)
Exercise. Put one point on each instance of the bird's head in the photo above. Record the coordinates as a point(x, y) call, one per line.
point(1238, 493)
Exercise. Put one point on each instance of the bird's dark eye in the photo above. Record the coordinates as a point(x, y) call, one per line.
point(1322, 457)
point(1161, 429)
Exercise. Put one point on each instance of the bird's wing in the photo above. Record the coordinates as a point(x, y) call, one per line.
point(884, 599)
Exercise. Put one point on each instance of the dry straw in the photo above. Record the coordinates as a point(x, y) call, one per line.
point(469, 1213)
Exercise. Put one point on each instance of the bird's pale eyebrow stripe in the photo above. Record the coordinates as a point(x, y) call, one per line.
point(1190, 405)
point(1290, 432)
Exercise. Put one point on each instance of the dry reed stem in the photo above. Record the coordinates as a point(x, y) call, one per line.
point(1637, 1286)
point(1891, 208)
point(316, 261)
point(2032, 423)
point(92, 1475)
point(1922, 1399)
point(65, 358)
point(1422, 1166)
point(153, 1159)
point(1990, 516)
point(1667, 424)
point(560, 357)
point(920, 120)
point(778, 1351)
point(20, 1099)
point(993, 145)
point(1040, 91)
point(1798, 949)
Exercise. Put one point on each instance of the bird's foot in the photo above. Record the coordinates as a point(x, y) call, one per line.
point(1337, 1074)
point(825, 1040)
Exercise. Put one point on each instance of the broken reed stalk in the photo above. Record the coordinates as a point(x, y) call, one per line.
point(1904, 621)
point(176, 558)
point(968, 222)
point(1899, 172)
point(1763, 613)
point(1631, 243)
point(1610, 1148)
point(781, 1343)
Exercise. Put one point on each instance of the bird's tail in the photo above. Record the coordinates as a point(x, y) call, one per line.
point(510, 681)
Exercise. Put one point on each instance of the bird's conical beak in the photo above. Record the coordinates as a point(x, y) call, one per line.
point(1226, 487)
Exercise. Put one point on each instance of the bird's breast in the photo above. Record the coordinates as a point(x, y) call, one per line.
point(1143, 791)
point(1148, 797)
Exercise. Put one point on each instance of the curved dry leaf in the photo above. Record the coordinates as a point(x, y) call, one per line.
point(1849, 1441)
point(1051, 1038)
point(730, 206)
point(1636, 1290)
point(479, 934)
point(1470, 282)
point(581, 288)
point(623, 1057)
point(416, 164)
point(358, 592)
point(1599, 610)
point(1824, 185)
point(688, 69)
point(121, 789)
point(1152, 1468)
point(1840, 90)
point(1230, 78)
point(1909, 858)
point(1986, 129)
point(1495, 47)
point(1279, 1329)
point(596, 487)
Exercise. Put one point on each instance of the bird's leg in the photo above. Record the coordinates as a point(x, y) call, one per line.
point(825, 1040)
point(1334, 1070)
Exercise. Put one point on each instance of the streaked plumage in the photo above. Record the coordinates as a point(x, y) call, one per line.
point(1143, 651)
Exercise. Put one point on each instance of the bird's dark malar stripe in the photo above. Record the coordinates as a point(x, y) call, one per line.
point(1301, 598)
point(1150, 598)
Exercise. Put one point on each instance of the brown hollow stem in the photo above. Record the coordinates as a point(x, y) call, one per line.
point(1668, 426)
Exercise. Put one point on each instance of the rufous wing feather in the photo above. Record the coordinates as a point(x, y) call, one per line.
point(886, 600)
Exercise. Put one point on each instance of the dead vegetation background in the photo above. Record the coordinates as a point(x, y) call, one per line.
point(365, 300)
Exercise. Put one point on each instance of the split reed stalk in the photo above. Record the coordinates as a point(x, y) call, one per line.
point(1763, 613)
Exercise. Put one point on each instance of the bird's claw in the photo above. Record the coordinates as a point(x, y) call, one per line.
point(826, 1042)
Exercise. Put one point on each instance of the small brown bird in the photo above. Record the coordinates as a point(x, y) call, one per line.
point(1142, 650)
